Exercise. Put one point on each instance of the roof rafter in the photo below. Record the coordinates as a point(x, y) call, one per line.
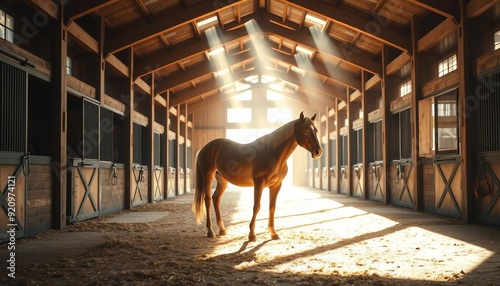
point(338, 50)
point(210, 87)
point(150, 30)
point(384, 35)
point(446, 8)
point(76, 9)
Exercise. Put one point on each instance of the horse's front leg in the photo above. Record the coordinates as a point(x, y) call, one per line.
point(273, 196)
point(257, 194)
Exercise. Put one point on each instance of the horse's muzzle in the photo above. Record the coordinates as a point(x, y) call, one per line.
point(316, 153)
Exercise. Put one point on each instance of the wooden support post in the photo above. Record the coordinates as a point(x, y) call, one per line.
point(337, 151)
point(385, 126)
point(184, 110)
point(177, 148)
point(415, 185)
point(102, 60)
point(166, 173)
point(364, 144)
point(466, 126)
point(60, 148)
point(327, 151)
point(350, 116)
point(151, 143)
point(129, 158)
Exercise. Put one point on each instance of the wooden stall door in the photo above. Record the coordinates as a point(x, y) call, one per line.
point(344, 189)
point(158, 185)
point(171, 182)
point(447, 185)
point(357, 180)
point(402, 175)
point(334, 187)
point(487, 189)
point(84, 191)
point(182, 182)
point(189, 182)
point(375, 181)
point(139, 185)
point(13, 200)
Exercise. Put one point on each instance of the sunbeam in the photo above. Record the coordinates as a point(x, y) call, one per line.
point(217, 56)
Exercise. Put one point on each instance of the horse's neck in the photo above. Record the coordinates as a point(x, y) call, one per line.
point(282, 140)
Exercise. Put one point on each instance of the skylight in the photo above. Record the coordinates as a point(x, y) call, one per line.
point(206, 21)
point(298, 70)
point(304, 50)
point(216, 51)
point(315, 21)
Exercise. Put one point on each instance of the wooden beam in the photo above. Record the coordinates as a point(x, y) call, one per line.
point(440, 32)
point(446, 8)
point(118, 65)
point(341, 77)
point(337, 49)
point(211, 87)
point(164, 58)
point(49, 7)
point(397, 63)
point(83, 37)
point(299, 97)
point(77, 9)
point(477, 7)
point(199, 71)
point(150, 30)
point(385, 35)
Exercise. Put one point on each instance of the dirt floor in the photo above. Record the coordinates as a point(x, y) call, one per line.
point(326, 239)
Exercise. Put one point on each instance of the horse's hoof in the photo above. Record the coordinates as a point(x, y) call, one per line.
point(252, 238)
point(222, 232)
point(211, 234)
point(275, 237)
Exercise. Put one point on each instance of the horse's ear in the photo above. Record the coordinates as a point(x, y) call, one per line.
point(314, 117)
point(302, 115)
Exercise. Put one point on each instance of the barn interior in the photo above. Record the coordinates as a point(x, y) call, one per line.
point(104, 104)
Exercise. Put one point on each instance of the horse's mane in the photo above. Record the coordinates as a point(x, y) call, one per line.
point(283, 133)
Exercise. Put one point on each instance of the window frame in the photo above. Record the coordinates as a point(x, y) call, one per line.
point(7, 29)
point(451, 65)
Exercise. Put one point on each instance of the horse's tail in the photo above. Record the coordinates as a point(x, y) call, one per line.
point(198, 206)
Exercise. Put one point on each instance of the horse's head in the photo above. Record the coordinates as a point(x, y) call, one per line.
point(306, 135)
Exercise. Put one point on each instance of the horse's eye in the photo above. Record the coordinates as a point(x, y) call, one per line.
point(306, 131)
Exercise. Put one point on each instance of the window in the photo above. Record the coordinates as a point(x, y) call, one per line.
point(244, 96)
point(69, 66)
point(279, 114)
point(446, 123)
point(497, 40)
point(6, 26)
point(438, 128)
point(273, 95)
point(375, 133)
point(405, 88)
point(343, 149)
point(239, 115)
point(448, 65)
point(159, 149)
point(358, 136)
point(400, 130)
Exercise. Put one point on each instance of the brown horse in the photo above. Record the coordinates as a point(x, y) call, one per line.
point(261, 164)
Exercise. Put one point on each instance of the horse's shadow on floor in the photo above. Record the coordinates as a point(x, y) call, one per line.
point(243, 254)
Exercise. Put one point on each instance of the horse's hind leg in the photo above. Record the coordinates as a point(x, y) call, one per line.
point(207, 188)
point(219, 191)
